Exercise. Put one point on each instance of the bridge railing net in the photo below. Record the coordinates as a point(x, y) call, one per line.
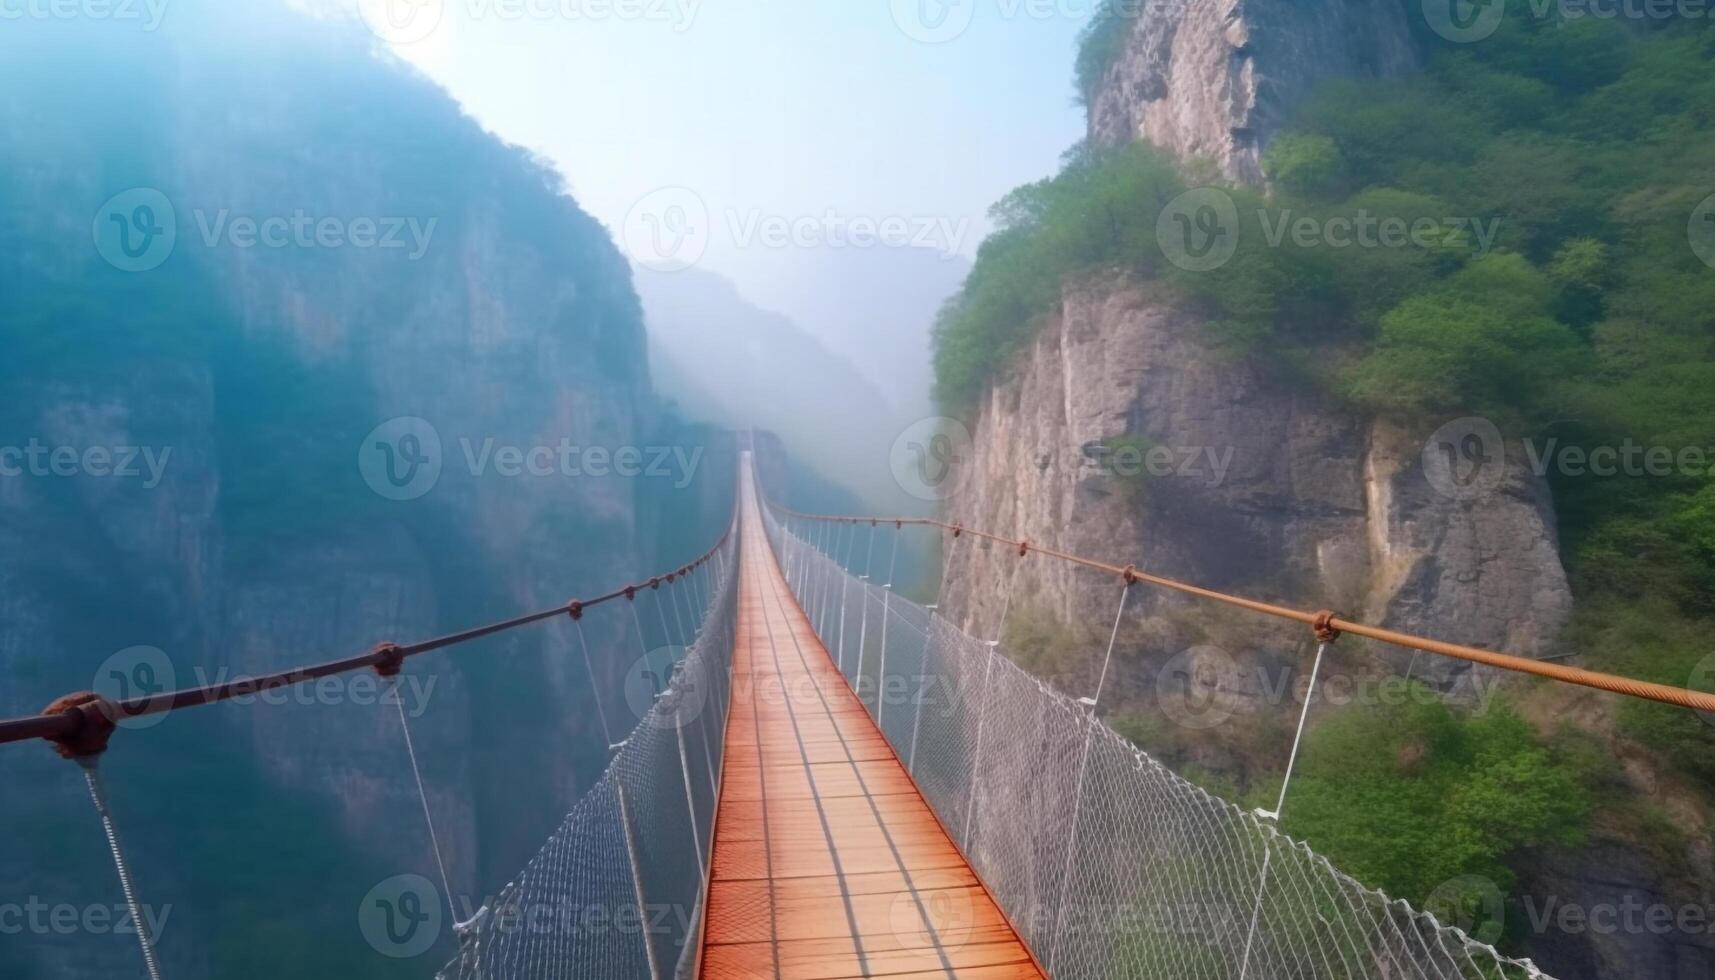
point(1108, 864)
point(617, 890)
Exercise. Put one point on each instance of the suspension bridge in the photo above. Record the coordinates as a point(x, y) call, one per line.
point(837, 781)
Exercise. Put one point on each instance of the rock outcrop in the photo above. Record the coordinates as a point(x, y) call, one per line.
point(1124, 433)
point(1213, 79)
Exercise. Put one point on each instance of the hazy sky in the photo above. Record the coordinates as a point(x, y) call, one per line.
point(774, 115)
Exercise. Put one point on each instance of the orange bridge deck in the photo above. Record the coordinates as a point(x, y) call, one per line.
point(827, 861)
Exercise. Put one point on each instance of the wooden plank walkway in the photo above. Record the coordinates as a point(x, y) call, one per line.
point(827, 861)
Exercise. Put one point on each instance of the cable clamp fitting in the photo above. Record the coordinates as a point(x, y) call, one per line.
point(96, 721)
point(389, 659)
point(575, 609)
point(1131, 575)
point(1323, 626)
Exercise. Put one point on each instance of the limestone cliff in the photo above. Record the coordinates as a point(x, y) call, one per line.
point(1124, 433)
point(1214, 79)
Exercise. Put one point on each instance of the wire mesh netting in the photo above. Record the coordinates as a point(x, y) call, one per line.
point(618, 890)
point(1108, 864)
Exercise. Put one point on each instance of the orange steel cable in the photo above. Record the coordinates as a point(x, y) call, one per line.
point(1325, 621)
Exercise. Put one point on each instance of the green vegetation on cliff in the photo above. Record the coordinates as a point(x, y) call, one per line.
point(1562, 287)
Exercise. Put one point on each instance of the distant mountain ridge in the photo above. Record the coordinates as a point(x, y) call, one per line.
point(735, 364)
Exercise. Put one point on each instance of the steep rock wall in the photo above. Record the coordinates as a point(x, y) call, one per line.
point(1257, 485)
point(1213, 79)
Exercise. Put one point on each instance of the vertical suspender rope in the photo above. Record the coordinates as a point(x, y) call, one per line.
point(831, 571)
point(845, 579)
point(886, 604)
point(863, 615)
point(817, 559)
point(929, 635)
point(675, 586)
point(85, 746)
point(390, 671)
point(589, 669)
point(1326, 636)
point(655, 685)
point(1090, 723)
point(667, 632)
point(636, 876)
point(690, 797)
point(91, 766)
point(983, 712)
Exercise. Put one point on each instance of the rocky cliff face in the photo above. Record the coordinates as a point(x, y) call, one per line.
point(1213, 79)
point(1124, 434)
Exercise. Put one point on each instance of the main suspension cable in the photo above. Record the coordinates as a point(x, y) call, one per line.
point(63, 722)
point(1612, 683)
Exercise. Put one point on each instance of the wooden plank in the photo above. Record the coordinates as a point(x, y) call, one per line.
point(827, 862)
